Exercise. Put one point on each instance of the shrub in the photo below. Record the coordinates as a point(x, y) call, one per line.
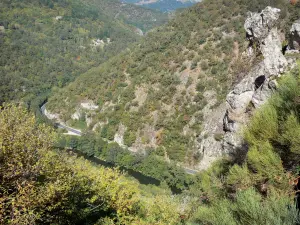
point(204, 65)
point(129, 138)
point(194, 65)
point(263, 126)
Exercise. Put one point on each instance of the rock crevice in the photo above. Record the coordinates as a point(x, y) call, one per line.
point(295, 36)
point(256, 86)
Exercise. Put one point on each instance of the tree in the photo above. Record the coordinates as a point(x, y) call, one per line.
point(39, 185)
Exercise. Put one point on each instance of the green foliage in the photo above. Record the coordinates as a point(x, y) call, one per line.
point(49, 43)
point(221, 214)
point(42, 186)
point(140, 87)
point(157, 65)
point(251, 210)
point(149, 164)
point(240, 177)
point(209, 184)
point(277, 123)
point(129, 138)
point(262, 157)
point(260, 189)
point(248, 208)
point(263, 126)
point(291, 133)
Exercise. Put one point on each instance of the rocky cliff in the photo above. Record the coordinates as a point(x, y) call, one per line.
point(265, 42)
point(295, 36)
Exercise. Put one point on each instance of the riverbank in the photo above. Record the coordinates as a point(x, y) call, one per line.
point(139, 176)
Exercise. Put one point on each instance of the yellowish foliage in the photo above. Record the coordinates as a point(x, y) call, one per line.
point(40, 185)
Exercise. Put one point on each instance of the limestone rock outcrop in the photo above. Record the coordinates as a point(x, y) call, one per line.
point(252, 91)
point(295, 35)
point(257, 86)
point(258, 25)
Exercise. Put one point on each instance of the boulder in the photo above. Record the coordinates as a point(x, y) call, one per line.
point(257, 25)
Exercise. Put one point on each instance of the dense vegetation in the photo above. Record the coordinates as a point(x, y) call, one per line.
point(39, 185)
point(147, 163)
point(163, 5)
point(263, 187)
point(153, 92)
point(48, 43)
point(144, 19)
point(167, 80)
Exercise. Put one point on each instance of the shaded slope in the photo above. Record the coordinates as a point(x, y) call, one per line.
point(49, 43)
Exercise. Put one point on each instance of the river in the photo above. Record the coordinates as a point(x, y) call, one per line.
point(141, 178)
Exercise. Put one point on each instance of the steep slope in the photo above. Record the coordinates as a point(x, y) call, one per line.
point(162, 92)
point(40, 185)
point(267, 176)
point(49, 43)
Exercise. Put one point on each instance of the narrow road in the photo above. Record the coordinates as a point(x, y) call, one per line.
point(190, 171)
point(70, 129)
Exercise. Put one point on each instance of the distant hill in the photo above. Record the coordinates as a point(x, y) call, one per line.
point(157, 93)
point(46, 43)
point(163, 5)
point(140, 17)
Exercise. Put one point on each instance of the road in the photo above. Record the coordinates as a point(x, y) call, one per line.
point(69, 129)
point(190, 171)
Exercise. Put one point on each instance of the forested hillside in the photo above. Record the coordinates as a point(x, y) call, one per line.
point(154, 94)
point(48, 43)
point(140, 104)
point(144, 19)
point(164, 5)
point(41, 185)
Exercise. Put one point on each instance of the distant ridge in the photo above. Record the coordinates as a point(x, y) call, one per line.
point(163, 5)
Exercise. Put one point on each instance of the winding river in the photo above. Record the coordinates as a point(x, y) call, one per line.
point(143, 179)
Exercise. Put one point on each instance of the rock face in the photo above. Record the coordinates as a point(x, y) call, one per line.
point(89, 105)
point(253, 90)
point(295, 35)
point(258, 25)
point(119, 136)
point(256, 87)
point(49, 115)
point(208, 147)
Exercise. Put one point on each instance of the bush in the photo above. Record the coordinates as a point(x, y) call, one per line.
point(194, 65)
point(204, 65)
point(40, 185)
point(263, 126)
point(129, 138)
